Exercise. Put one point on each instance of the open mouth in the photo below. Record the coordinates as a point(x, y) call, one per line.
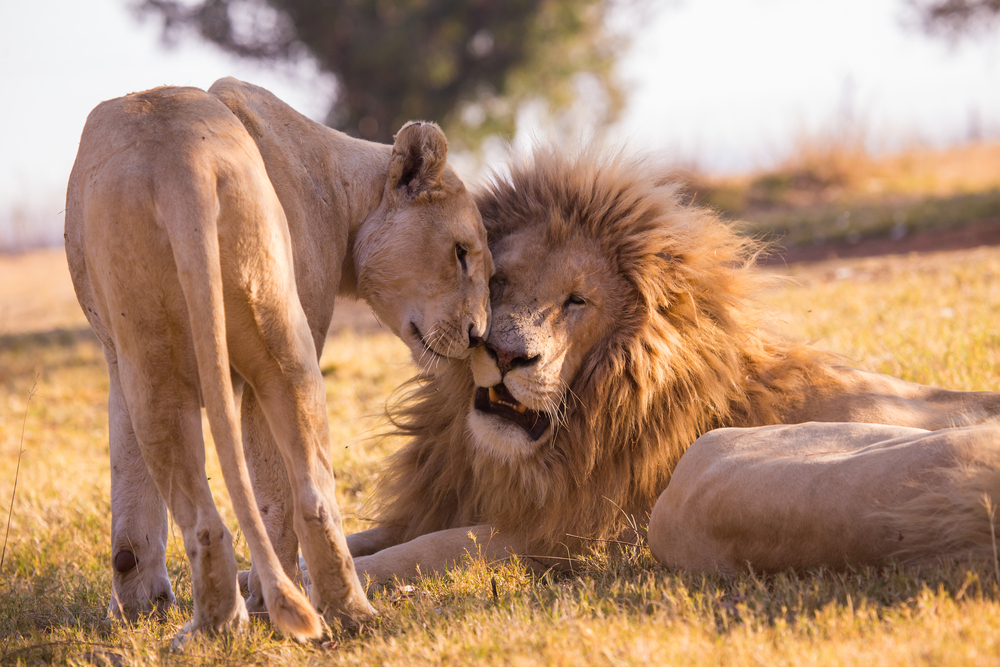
point(498, 401)
point(423, 341)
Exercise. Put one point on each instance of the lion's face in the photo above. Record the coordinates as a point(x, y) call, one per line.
point(552, 303)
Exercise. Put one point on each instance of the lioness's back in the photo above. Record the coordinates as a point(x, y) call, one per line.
point(157, 132)
point(140, 154)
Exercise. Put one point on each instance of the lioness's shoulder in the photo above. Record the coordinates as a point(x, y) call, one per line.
point(262, 112)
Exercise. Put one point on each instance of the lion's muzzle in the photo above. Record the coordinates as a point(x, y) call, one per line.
point(498, 401)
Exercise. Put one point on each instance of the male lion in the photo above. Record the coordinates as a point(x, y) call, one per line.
point(206, 264)
point(623, 328)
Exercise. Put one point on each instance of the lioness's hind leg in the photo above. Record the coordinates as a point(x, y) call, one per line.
point(168, 430)
point(139, 581)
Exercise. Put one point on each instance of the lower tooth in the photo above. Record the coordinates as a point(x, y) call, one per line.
point(522, 408)
point(494, 396)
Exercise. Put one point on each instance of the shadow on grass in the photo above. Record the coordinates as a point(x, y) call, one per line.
point(25, 356)
point(608, 586)
point(33, 340)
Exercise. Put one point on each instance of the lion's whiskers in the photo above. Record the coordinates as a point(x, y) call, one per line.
point(556, 411)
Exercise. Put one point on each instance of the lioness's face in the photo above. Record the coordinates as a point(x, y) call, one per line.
point(422, 257)
point(550, 308)
point(428, 277)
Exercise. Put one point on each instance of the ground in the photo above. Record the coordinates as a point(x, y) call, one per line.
point(930, 317)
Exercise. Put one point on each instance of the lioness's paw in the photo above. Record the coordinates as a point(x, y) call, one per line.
point(236, 624)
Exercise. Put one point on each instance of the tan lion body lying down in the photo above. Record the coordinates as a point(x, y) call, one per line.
point(828, 495)
point(184, 215)
point(624, 328)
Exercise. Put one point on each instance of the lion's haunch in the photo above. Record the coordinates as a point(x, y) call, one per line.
point(125, 561)
point(827, 494)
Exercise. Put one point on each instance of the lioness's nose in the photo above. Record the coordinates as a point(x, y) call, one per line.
point(475, 340)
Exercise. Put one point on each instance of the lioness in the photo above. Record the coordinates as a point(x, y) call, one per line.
point(829, 495)
point(205, 263)
point(623, 328)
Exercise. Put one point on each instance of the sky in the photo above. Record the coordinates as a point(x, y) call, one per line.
point(725, 84)
point(732, 83)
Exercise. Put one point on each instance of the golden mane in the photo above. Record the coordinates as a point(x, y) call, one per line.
point(688, 355)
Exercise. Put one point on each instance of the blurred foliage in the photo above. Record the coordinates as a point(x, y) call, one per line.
point(861, 220)
point(954, 18)
point(832, 188)
point(467, 64)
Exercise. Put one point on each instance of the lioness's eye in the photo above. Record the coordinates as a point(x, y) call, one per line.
point(576, 300)
point(461, 251)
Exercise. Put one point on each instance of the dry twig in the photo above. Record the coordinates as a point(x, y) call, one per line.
point(991, 510)
point(17, 470)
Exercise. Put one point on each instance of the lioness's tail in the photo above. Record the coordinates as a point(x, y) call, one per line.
point(956, 514)
point(191, 224)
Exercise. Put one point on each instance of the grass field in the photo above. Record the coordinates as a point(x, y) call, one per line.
point(932, 318)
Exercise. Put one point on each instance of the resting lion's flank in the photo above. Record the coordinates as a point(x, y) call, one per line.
point(831, 495)
point(624, 327)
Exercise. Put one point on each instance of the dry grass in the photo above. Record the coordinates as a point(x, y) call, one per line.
point(930, 319)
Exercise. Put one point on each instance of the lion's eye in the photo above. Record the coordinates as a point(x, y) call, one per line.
point(461, 251)
point(575, 300)
point(497, 284)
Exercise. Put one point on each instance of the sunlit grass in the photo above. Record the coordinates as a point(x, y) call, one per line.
point(932, 319)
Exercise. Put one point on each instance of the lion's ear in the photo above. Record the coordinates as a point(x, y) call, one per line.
point(419, 156)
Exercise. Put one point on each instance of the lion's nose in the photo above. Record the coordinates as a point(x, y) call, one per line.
point(508, 360)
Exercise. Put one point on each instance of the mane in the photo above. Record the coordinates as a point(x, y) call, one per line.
point(688, 355)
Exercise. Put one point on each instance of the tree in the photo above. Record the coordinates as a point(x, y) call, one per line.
point(468, 64)
point(954, 18)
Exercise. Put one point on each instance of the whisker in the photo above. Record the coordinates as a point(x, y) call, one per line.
point(434, 336)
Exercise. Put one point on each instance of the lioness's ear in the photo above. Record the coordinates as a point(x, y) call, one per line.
point(419, 156)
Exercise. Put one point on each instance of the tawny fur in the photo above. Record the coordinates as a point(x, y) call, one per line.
point(688, 354)
point(831, 495)
point(958, 516)
point(207, 235)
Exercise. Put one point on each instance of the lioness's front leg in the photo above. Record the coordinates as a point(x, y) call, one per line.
point(288, 384)
point(273, 493)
